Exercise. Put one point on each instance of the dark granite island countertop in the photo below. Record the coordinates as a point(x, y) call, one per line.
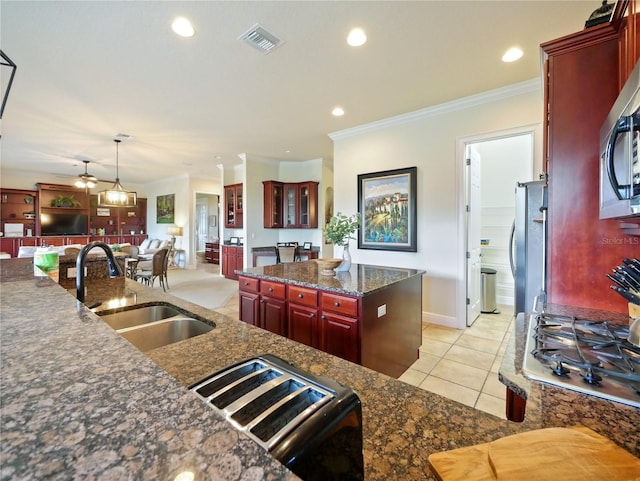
point(79, 402)
point(360, 280)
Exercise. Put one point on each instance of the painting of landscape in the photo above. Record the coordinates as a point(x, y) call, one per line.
point(388, 208)
point(165, 209)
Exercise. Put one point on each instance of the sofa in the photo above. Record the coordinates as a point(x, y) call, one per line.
point(29, 251)
point(151, 246)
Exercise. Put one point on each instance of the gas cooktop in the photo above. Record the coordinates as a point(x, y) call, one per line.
point(591, 357)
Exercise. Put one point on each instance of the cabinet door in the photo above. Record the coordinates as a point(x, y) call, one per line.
point(250, 308)
point(273, 315)
point(8, 245)
point(291, 205)
point(225, 261)
point(238, 205)
point(239, 260)
point(308, 205)
point(303, 324)
point(340, 336)
point(273, 204)
point(230, 207)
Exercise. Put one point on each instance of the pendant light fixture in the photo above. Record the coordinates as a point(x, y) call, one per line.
point(86, 180)
point(116, 196)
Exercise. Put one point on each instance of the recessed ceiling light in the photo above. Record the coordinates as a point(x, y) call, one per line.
point(356, 37)
point(512, 55)
point(337, 112)
point(183, 27)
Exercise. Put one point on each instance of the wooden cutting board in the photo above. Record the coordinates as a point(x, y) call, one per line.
point(551, 454)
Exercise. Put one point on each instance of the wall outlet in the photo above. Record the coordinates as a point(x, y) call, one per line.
point(71, 272)
point(382, 310)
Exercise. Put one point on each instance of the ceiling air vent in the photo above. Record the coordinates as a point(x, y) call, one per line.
point(261, 39)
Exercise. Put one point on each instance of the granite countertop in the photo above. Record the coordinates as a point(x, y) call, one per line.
point(555, 406)
point(360, 280)
point(79, 402)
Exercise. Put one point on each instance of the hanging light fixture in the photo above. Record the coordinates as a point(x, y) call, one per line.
point(116, 196)
point(86, 180)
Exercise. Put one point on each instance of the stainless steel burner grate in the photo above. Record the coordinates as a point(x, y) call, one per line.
point(592, 357)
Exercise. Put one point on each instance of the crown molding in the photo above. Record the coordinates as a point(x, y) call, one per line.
point(521, 88)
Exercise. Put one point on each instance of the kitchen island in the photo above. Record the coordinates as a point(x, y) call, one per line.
point(370, 315)
point(79, 402)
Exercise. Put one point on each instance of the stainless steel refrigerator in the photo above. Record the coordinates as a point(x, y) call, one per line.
point(529, 244)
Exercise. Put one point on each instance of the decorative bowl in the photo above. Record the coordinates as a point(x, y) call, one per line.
point(327, 265)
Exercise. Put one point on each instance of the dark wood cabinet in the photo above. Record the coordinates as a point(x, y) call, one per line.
point(263, 304)
point(290, 205)
point(113, 221)
point(339, 324)
point(232, 259)
point(582, 85)
point(273, 310)
point(212, 252)
point(19, 207)
point(233, 200)
point(250, 308)
point(273, 204)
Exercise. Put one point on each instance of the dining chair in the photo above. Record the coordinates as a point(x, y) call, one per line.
point(131, 251)
point(286, 254)
point(158, 266)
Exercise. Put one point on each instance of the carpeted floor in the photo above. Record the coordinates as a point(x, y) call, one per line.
point(203, 286)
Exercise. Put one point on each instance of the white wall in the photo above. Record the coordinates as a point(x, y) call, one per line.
point(428, 139)
point(185, 190)
point(257, 170)
point(504, 162)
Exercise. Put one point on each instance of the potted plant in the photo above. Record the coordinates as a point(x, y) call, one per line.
point(338, 231)
point(65, 201)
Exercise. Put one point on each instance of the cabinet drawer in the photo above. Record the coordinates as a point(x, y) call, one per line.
point(249, 284)
point(302, 295)
point(340, 304)
point(272, 289)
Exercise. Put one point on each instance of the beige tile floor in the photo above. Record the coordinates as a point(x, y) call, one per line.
point(458, 364)
point(463, 364)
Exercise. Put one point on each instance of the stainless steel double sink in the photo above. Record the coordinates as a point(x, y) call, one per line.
point(150, 327)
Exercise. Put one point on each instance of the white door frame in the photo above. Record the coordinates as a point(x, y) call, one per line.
point(461, 278)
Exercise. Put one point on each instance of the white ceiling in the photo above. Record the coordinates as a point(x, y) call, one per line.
point(89, 70)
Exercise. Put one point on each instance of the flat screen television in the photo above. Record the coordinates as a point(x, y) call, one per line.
point(64, 224)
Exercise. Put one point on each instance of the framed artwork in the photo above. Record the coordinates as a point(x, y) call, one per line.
point(166, 209)
point(387, 203)
point(103, 212)
point(306, 246)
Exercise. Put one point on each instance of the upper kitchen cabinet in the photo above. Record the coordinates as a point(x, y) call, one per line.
point(291, 205)
point(233, 206)
point(273, 204)
point(18, 211)
point(629, 42)
point(582, 83)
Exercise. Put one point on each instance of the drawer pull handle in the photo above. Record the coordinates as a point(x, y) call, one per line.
point(323, 317)
point(246, 283)
point(337, 304)
point(299, 296)
point(271, 289)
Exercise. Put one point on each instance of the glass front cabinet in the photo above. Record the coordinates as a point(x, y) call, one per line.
point(290, 205)
point(233, 206)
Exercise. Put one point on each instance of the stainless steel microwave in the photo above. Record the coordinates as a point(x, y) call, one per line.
point(619, 163)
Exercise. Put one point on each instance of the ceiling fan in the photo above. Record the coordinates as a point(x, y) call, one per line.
point(86, 180)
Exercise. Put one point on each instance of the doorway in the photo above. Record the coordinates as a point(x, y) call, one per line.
point(207, 223)
point(494, 163)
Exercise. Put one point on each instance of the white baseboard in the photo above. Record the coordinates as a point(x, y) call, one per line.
point(441, 320)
